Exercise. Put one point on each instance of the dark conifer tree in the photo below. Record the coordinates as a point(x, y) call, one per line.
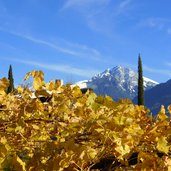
point(11, 80)
point(140, 82)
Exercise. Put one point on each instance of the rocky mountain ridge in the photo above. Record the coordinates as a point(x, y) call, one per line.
point(118, 82)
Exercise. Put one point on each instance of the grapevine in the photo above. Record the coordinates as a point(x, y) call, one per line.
point(75, 131)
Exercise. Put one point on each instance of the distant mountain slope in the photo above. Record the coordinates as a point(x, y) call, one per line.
point(157, 96)
point(118, 82)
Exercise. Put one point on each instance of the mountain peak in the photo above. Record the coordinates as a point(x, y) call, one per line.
point(117, 82)
point(111, 71)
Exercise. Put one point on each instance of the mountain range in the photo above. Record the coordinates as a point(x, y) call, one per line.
point(118, 82)
point(157, 96)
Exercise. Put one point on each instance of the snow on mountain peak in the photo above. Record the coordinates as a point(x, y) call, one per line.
point(118, 82)
point(82, 84)
point(149, 80)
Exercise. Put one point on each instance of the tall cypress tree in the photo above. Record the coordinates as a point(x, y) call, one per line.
point(11, 80)
point(140, 82)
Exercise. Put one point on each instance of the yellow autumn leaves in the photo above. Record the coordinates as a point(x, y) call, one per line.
point(75, 131)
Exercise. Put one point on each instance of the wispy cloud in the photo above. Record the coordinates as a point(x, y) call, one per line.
point(68, 69)
point(100, 15)
point(169, 31)
point(156, 23)
point(3, 9)
point(124, 3)
point(2, 44)
point(94, 12)
point(84, 48)
point(157, 71)
point(123, 6)
point(84, 3)
point(74, 49)
point(168, 64)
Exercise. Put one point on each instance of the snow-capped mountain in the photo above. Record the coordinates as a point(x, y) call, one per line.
point(118, 82)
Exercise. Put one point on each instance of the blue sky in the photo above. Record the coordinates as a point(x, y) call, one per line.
point(75, 39)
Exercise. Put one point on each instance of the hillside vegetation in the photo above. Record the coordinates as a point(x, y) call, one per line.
point(75, 131)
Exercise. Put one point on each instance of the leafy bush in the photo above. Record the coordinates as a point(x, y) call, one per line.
point(75, 131)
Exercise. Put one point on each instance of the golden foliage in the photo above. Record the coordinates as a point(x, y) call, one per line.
point(76, 131)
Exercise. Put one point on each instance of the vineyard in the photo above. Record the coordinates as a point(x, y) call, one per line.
point(72, 131)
